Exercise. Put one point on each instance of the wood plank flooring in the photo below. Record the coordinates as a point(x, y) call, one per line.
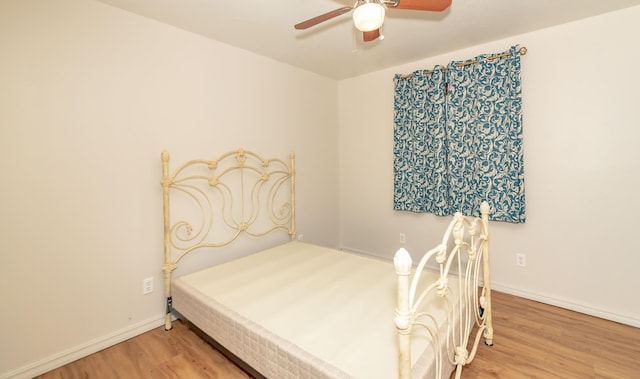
point(532, 340)
point(179, 353)
point(535, 340)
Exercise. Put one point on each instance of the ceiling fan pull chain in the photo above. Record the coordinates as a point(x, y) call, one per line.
point(355, 33)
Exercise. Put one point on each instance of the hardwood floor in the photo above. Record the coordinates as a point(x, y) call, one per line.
point(532, 340)
point(179, 353)
point(535, 340)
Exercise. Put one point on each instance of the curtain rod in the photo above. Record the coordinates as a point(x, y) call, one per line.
point(523, 51)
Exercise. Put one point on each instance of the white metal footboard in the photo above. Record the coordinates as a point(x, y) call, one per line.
point(464, 251)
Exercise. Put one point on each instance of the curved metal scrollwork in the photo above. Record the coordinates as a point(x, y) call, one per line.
point(213, 202)
point(463, 253)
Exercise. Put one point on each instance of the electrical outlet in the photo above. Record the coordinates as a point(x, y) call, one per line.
point(147, 285)
point(521, 260)
point(403, 238)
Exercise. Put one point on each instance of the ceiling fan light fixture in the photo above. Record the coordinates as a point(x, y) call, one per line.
point(368, 15)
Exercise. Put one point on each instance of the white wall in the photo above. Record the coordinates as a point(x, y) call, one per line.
point(581, 134)
point(89, 97)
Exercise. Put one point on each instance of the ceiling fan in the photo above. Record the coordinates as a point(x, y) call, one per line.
point(368, 15)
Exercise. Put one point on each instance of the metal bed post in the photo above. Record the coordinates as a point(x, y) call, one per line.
point(168, 266)
point(403, 317)
point(486, 271)
point(292, 174)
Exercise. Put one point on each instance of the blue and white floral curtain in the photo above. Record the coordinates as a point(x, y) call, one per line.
point(458, 138)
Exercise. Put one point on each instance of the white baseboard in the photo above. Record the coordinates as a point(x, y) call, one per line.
point(60, 359)
point(566, 304)
point(549, 299)
point(81, 351)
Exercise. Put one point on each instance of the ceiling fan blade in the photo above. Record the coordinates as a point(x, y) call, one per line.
point(322, 18)
point(371, 36)
point(422, 5)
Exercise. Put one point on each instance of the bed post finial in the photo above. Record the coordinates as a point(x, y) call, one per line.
point(402, 262)
point(485, 209)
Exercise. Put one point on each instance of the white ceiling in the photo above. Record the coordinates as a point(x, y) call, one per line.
point(335, 50)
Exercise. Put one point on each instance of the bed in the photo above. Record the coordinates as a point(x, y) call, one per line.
point(298, 310)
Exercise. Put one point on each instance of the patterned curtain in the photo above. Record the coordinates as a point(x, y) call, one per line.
point(458, 138)
point(420, 115)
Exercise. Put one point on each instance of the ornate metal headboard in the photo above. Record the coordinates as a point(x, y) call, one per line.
point(218, 200)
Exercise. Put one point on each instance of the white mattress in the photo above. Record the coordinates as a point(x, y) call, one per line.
point(304, 311)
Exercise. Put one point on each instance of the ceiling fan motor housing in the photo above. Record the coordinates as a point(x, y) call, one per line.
point(368, 15)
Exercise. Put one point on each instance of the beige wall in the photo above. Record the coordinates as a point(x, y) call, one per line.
point(581, 134)
point(89, 97)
